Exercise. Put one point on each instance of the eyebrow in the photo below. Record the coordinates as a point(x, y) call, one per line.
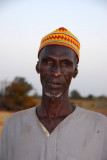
point(61, 59)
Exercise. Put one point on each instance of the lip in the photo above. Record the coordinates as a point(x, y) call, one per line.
point(55, 84)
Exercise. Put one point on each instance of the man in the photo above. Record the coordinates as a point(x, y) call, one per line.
point(56, 129)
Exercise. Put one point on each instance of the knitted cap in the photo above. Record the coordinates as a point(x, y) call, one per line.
point(61, 37)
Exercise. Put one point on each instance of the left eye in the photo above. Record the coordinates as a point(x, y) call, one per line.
point(66, 63)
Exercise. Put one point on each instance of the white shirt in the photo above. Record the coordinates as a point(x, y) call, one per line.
point(80, 136)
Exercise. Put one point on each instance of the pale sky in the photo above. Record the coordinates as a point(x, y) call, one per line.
point(23, 23)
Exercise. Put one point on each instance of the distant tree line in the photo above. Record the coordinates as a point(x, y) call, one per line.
point(76, 95)
point(15, 95)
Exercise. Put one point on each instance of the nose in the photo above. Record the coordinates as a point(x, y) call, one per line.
point(56, 71)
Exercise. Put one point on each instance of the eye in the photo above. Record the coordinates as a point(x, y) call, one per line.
point(66, 63)
point(47, 61)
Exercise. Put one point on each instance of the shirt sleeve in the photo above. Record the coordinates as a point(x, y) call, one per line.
point(3, 143)
point(104, 140)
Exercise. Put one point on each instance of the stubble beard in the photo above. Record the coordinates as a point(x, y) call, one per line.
point(53, 95)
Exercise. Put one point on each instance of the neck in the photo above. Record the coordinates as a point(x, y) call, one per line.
point(53, 107)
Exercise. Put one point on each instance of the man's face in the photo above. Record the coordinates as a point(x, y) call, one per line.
point(57, 66)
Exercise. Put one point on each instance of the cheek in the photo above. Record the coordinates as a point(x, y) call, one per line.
point(68, 75)
point(44, 68)
point(43, 73)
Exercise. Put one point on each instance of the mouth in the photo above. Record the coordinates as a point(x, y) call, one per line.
point(55, 84)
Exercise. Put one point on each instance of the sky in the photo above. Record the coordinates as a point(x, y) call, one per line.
point(23, 23)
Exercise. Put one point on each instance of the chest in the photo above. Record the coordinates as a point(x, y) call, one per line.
point(52, 124)
point(66, 142)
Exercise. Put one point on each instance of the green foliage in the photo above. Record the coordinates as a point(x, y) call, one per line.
point(90, 97)
point(102, 98)
point(75, 95)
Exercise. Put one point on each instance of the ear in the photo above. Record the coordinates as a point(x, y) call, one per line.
point(37, 68)
point(75, 71)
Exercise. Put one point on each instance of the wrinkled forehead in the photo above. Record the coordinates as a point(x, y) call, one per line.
point(57, 51)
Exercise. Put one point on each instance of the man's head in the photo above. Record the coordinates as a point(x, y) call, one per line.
point(57, 65)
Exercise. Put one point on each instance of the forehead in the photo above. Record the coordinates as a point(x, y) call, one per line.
point(56, 51)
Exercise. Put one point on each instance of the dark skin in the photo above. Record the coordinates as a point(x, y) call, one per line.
point(57, 66)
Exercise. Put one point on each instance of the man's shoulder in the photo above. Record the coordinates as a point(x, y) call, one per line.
point(20, 115)
point(92, 115)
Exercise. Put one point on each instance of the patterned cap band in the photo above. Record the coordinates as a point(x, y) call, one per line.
point(61, 37)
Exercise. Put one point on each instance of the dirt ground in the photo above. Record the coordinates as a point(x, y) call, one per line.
point(4, 115)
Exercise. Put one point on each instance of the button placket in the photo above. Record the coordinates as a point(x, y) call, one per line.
point(51, 146)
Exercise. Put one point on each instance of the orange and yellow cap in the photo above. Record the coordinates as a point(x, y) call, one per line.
point(61, 37)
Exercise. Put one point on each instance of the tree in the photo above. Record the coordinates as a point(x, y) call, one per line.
point(16, 95)
point(19, 87)
point(90, 97)
point(75, 95)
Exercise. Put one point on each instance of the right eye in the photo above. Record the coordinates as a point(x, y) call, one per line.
point(48, 61)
